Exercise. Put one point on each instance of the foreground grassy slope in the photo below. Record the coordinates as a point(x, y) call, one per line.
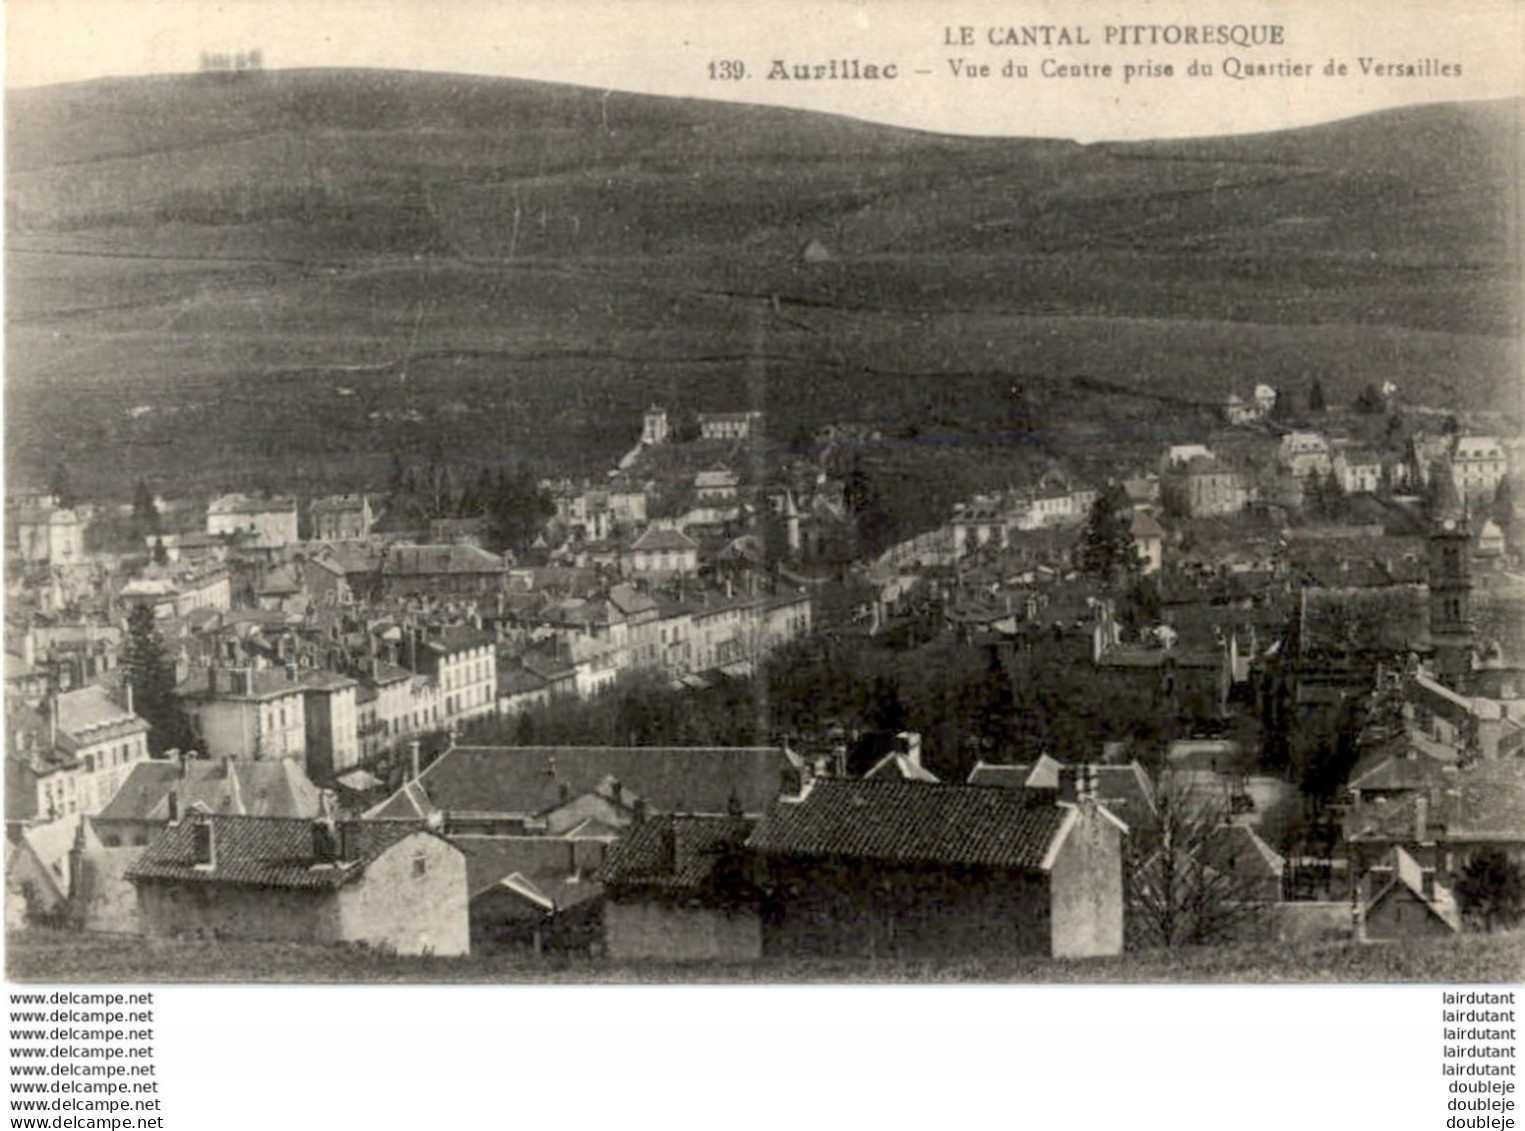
point(257, 263)
point(50, 957)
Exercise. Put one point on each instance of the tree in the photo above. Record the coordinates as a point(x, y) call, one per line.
point(149, 672)
point(145, 512)
point(1283, 408)
point(1314, 502)
point(865, 504)
point(1316, 401)
point(1141, 604)
point(1370, 399)
point(1503, 504)
point(885, 709)
point(1444, 499)
point(1333, 497)
point(1182, 880)
point(1106, 545)
point(516, 508)
point(61, 485)
point(1491, 890)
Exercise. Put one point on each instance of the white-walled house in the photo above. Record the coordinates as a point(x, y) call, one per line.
point(387, 885)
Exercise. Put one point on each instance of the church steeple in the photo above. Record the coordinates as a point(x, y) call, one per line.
point(1451, 599)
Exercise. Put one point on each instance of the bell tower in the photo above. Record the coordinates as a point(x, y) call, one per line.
point(1451, 600)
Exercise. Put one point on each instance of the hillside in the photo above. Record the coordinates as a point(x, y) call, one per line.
point(294, 274)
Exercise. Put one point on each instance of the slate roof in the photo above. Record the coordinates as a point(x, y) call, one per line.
point(490, 858)
point(1407, 873)
point(912, 822)
point(246, 504)
point(659, 539)
point(338, 504)
point(263, 852)
point(1006, 776)
point(528, 780)
point(450, 558)
point(459, 638)
point(269, 788)
point(88, 709)
point(1484, 804)
point(1125, 790)
point(1390, 769)
point(1389, 619)
point(1238, 850)
point(901, 767)
point(281, 582)
point(264, 683)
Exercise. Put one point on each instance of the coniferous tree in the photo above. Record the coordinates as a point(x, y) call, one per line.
point(1316, 401)
point(61, 485)
point(1334, 496)
point(1107, 548)
point(1370, 399)
point(145, 512)
point(1283, 408)
point(1503, 504)
point(149, 671)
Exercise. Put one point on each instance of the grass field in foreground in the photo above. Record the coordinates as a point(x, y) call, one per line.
point(64, 958)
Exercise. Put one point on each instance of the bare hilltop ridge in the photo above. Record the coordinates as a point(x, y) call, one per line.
point(297, 273)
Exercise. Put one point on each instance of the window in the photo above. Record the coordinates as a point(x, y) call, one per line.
point(420, 865)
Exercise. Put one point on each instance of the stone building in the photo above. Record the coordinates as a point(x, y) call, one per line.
point(389, 885)
point(907, 869)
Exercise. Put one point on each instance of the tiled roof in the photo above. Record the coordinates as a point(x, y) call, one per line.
point(911, 822)
point(674, 853)
point(264, 852)
point(528, 780)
